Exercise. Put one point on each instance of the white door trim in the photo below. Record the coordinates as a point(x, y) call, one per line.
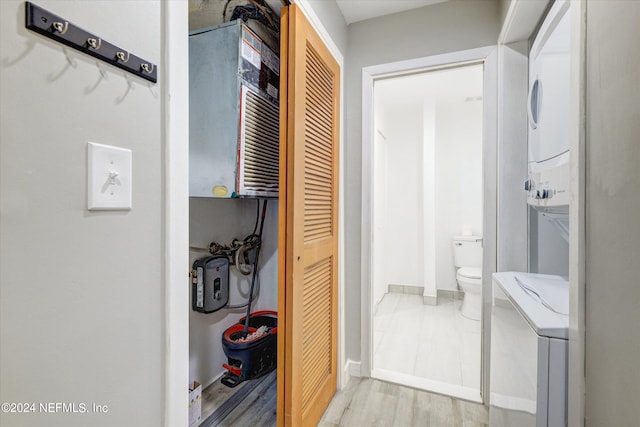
point(577, 217)
point(369, 75)
point(175, 84)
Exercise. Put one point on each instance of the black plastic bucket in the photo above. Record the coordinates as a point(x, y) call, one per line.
point(250, 359)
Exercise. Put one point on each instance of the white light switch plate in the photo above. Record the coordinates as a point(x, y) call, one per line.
point(109, 177)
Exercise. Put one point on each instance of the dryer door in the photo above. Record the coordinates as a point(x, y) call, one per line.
point(549, 77)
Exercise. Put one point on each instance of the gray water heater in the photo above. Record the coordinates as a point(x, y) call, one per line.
point(210, 284)
point(234, 81)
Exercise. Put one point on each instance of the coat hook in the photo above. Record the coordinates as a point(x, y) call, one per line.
point(60, 27)
point(94, 43)
point(123, 56)
point(147, 68)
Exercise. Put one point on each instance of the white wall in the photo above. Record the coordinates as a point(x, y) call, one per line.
point(404, 251)
point(433, 176)
point(222, 220)
point(458, 179)
point(512, 157)
point(82, 293)
point(429, 225)
point(445, 27)
point(612, 207)
point(548, 251)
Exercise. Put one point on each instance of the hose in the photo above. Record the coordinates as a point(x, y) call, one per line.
point(244, 269)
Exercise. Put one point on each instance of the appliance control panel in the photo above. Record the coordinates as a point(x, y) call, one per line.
point(549, 187)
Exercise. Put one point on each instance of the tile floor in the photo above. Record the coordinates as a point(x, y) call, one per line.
point(369, 402)
point(435, 345)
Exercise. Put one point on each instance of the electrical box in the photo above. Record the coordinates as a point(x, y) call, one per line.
point(210, 284)
point(234, 121)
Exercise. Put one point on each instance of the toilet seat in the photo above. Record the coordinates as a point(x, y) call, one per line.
point(470, 272)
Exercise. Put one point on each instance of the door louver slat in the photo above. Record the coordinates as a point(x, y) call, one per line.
point(316, 328)
point(318, 153)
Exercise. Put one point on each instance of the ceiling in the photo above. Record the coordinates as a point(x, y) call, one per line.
point(359, 10)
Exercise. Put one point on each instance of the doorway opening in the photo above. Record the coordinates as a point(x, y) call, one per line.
point(318, 226)
point(234, 101)
point(427, 227)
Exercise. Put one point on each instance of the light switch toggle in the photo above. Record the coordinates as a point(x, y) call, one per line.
point(109, 177)
point(112, 178)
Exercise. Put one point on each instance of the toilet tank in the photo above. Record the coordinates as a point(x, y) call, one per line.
point(467, 251)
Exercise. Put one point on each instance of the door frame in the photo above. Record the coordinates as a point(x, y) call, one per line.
point(175, 92)
point(488, 56)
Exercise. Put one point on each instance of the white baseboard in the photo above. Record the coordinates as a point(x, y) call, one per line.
point(458, 391)
point(353, 368)
point(350, 369)
point(429, 300)
point(447, 294)
point(405, 289)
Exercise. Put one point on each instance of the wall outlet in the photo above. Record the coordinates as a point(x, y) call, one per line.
point(109, 177)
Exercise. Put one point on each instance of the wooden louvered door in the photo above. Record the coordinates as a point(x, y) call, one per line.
point(307, 358)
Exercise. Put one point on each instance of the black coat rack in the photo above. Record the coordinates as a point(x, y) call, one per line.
point(59, 29)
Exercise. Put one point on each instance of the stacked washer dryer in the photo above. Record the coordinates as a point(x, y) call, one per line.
point(548, 107)
point(529, 319)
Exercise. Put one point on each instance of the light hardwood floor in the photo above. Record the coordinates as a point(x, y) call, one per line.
point(256, 408)
point(365, 402)
point(369, 402)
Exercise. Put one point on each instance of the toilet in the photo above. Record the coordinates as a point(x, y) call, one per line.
point(467, 258)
